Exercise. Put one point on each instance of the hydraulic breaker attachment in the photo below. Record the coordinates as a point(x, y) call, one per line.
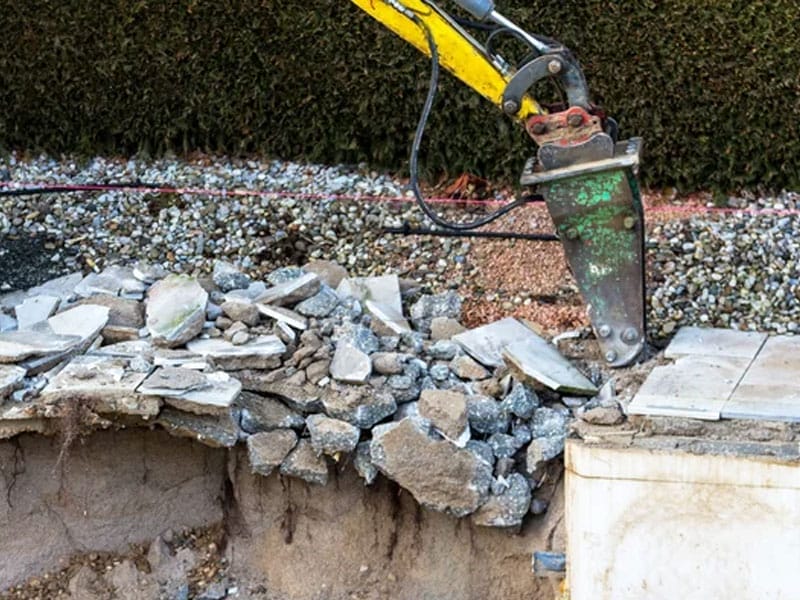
point(592, 194)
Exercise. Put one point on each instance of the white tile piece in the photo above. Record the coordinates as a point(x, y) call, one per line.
point(693, 386)
point(486, 344)
point(384, 290)
point(539, 360)
point(35, 309)
point(698, 341)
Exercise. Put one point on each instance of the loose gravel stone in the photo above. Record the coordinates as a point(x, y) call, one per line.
point(332, 436)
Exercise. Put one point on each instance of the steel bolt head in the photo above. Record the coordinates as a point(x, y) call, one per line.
point(604, 331)
point(630, 336)
point(629, 222)
point(575, 120)
point(572, 233)
point(539, 128)
point(510, 107)
point(554, 66)
point(611, 356)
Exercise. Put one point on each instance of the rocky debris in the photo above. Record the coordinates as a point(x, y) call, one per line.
point(332, 436)
point(447, 412)
point(267, 450)
point(176, 310)
point(428, 308)
point(270, 365)
point(509, 507)
point(292, 291)
point(259, 413)
point(350, 365)
point(438, 474)
point(445, 328)
point(304, 463)
point(105, 384)
point(227, 277)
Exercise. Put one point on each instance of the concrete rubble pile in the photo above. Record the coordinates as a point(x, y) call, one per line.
point(309, 369)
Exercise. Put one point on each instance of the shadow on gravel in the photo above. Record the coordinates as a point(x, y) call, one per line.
point(26, 262)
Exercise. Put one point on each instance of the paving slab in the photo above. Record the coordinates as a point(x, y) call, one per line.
point(35, 309)
point(283, 315)
point(192, 391)
point(693, 386)
point(262, 352)
point(698, 341)
point(770, 390)
point(541, 362)
point(16, 346)
point(486, 343)
point(292, 291)
point(389, 320)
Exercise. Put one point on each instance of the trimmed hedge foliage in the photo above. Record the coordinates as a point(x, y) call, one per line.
point(712, 85)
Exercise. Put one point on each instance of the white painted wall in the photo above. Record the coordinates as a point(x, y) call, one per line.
point(668, 525)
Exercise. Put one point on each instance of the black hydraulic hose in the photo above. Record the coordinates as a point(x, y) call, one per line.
point(414, 159)
point(406, 229)
point(75, 188)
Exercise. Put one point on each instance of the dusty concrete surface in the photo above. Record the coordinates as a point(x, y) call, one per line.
point(112, 489)
point(345, 540)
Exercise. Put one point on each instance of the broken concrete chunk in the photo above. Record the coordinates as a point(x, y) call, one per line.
point(283, 315)
point(388, 363)
point(447, 411)
point(291, 292)
point(438, 474)
point(193, 391)
point(35, 309)
point(482, 450)
point(537, 361)
point(508, 508)
point(383, 290)
point(521, 402)
point(332, 436)
point(329, 272)
point(319, 305)
point(262, 352)
point(362, 407)
point(227, 277)
point(305, 464)
point(284, 274)
point(246, 312)
point(215, 431)
point(267, 450)
point(260, 413)
point(148, 272)
point(176, 309)
point(362, 461)
point(486, 415)
point(350, 365)
point(427, 308)
point(466, 368)
point(10, 379)
point(542, 450)
point(386, 321)
point(107, 384)
point(444, 328)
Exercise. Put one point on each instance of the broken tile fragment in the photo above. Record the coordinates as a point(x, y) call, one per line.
point(385, 319)
point(291, 292)
point(329, 272)
point(304, 463)
point(283, 315)
point(383, 291)
point(537, 361)
point(486, 343)
point(16, 346)
point(192, 391)
point(261, 352)
point(268, 450)
point(10, 378)
point(35, 309)
point(175, 310)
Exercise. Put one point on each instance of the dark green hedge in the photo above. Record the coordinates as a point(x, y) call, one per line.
point(713, 85)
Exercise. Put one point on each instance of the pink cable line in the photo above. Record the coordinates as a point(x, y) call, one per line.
point(242, 192)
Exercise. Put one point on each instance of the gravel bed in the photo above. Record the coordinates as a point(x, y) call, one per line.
point(735, 270)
